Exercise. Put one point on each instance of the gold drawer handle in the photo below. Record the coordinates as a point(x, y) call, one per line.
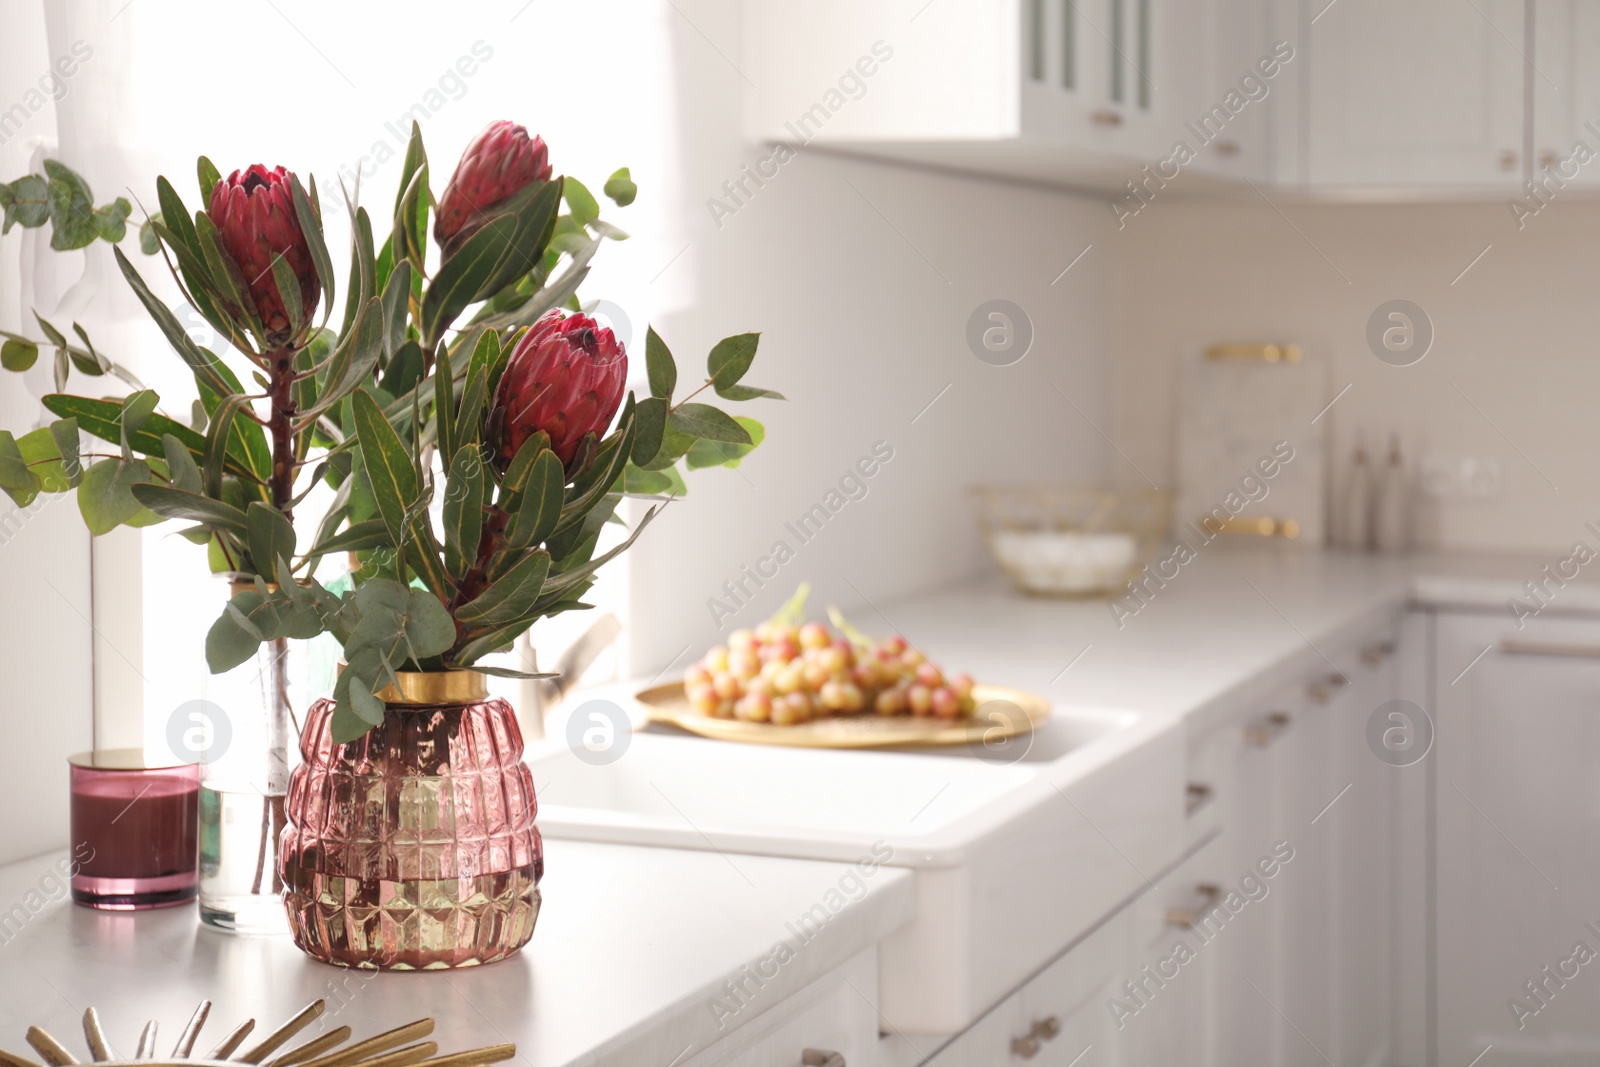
point(1026, 1048)
point(1263, 733)
point(1196, 797)
point(1106, 117)
point(1254, 353)
point(1374, 655)
point(1206, 897)
point(1517, 647)
point(1255, 526)
point(1321, 691)
point(816, 1057)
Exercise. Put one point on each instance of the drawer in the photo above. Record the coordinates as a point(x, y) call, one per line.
point(833, 1014)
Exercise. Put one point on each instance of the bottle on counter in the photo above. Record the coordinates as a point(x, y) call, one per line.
point(1355, 511)
point(1391, 520)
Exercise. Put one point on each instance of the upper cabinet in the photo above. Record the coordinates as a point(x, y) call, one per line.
point(1415, 93)
point(1412, 98)
point(1087, 92)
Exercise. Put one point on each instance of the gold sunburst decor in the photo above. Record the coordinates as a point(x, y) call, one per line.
point(401, 1047)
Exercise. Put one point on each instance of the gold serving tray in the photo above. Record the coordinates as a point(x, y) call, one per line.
point(1002, 712)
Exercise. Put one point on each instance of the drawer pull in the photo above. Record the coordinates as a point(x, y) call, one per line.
point(1517, 647)
point(1106, 117)
point(1322, 690)
point(815, 1057)
point(1196, 797)
point(1263, 733)
point(1206, 898)
point(1374, 655)
point(1026, 1048)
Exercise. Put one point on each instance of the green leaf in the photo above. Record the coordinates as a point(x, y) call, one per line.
point(363, 268)
point(465, 487)
point(71, 208)
point(102, 418)
point(747, 392)
point(105, 496)
point(580, 201)
point(29, 203)
point(708, 424)
point(55, 468)
point(136, 411)
point(540, 506)
point(389, 465)
point(288, 286)
point(722, 454)
point(181, 468)
point(311, 225)
point(509, 598)
point(174, 217)
point(674, 446)
point(638, 482)
point(405, 370)
point(209, 176)
point(730, 358)
point(89, 361)
point(174, 503)
point(368, 708)
point(357, 537)
point(229, 644)
point(444, 403)
point(111, 221)
point(21, 484)
point(620, 188)
point(429, 628)
point(650, 428)
point(18, 355)
point(218, 435)
point(395, 295)
point(506, 247)
point(662, 367)
point(269, 536)
point(149, 242)
point(202, 363)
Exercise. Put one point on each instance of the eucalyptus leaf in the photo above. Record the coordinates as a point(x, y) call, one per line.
point(708, 424)
point(730, 358)
point(18, 355)
point(620, 187)
point(659, 362)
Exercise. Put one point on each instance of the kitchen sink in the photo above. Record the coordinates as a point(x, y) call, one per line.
point(1018, 850)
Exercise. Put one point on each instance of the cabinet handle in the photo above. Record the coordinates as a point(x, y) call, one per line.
point(1226, 148)
point(1517, 647)
point(1043, 1030)
point(1374, 655)
point(1321, 691)
point(1105, 117)
point(1206, 897)
point(1508, 159)
point(1548, 158)
point(1196, 797)
point(816, 1057)
point(1263, 733)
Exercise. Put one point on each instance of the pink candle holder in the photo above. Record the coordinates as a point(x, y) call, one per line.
point(134, 831)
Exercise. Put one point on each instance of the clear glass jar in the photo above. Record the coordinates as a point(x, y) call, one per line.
point(243, 792)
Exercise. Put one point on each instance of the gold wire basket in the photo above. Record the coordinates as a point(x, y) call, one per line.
point(1064, 540)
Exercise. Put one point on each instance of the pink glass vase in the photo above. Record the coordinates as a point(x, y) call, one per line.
point(414, 847)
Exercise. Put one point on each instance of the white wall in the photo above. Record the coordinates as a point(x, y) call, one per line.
point(862, 277)
point(1515, 336)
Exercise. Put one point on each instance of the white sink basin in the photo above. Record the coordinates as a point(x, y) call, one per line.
point(1015, 859)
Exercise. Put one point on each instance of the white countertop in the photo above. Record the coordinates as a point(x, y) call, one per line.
point(1234, 621)
point(630, 947)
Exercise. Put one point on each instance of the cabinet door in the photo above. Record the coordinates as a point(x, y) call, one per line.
point(1517, 839)
point(1089, 73)
point(1415, 92)
point(1170, 1015)
point(1225, 115)
point(1566, 92)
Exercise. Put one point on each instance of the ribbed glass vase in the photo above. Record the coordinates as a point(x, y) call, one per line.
point(414, 847)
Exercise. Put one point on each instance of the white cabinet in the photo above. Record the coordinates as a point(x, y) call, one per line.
point(1414, 93)
point(1082, 92)
point(1566, 92)
point(1518, 839)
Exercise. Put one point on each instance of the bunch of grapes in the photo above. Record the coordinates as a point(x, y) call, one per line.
point(786, 674)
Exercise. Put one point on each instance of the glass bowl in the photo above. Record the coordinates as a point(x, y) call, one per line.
point(1065, 540)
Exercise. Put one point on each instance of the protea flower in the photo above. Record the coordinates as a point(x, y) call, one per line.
point(499, 163)
point(253, 211)
point(565, 377)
